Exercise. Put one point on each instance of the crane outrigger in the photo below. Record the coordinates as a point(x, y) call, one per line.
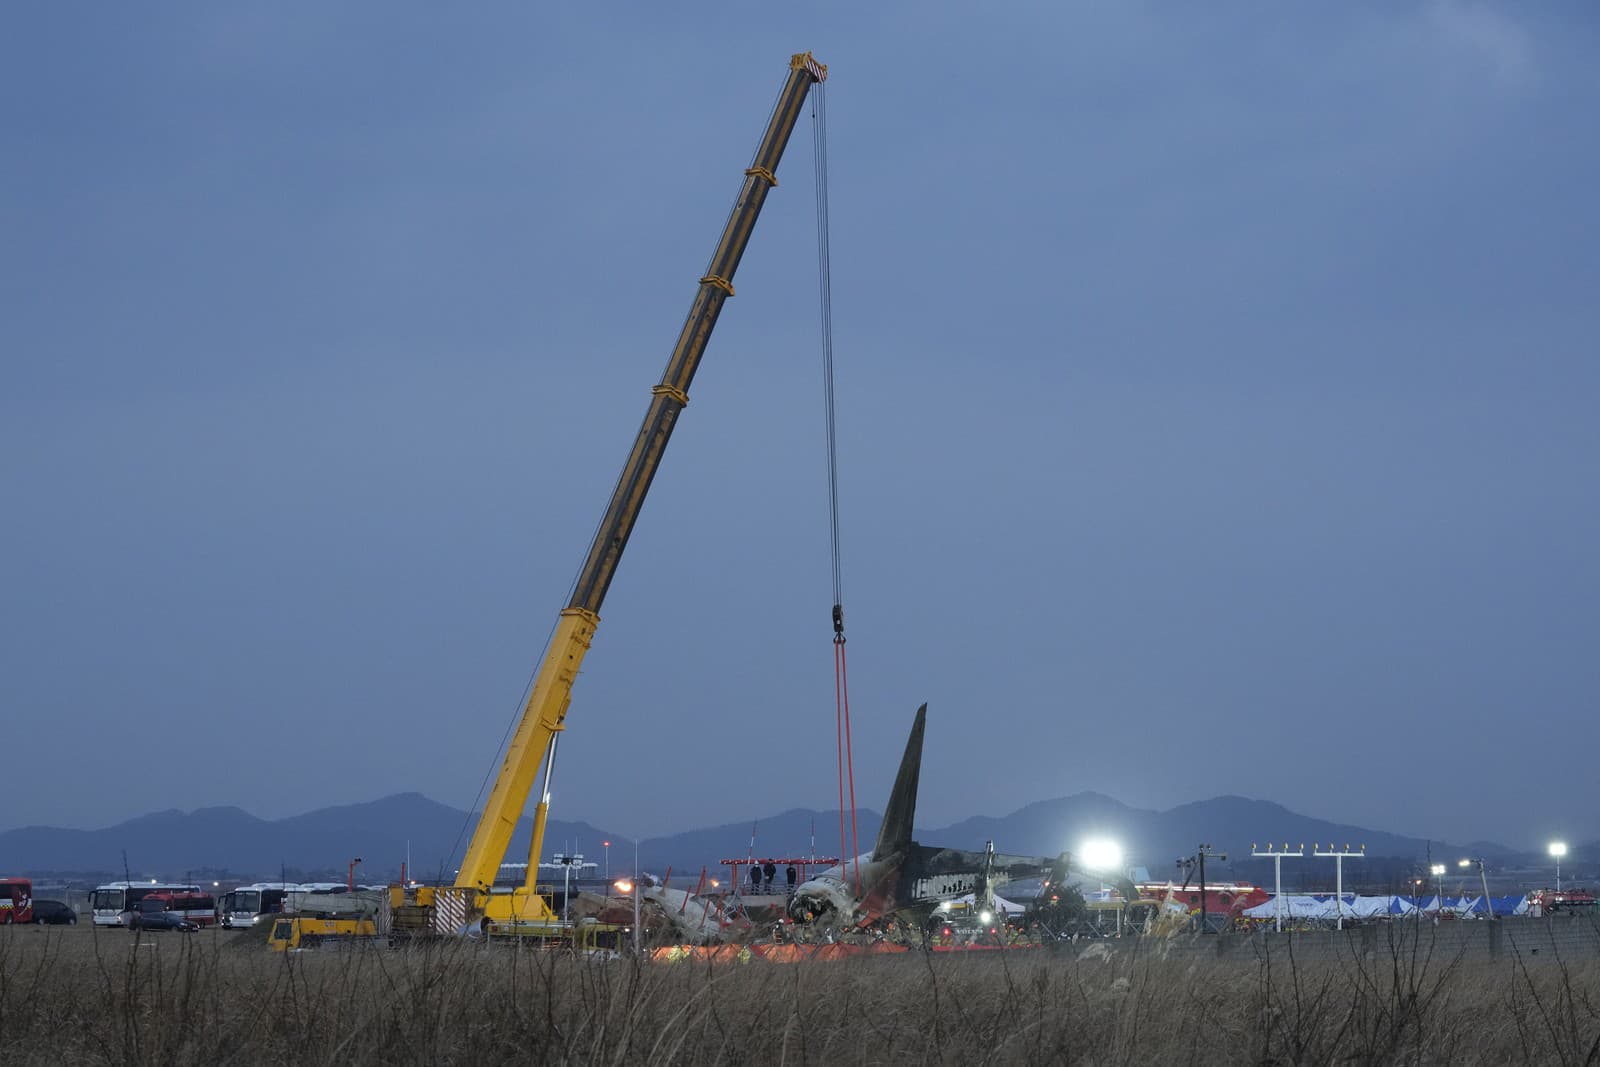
point(472, 899)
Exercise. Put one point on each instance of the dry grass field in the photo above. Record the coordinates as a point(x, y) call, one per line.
point(76, 995)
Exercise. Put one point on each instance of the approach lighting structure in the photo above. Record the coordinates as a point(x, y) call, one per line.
point(1278, 855)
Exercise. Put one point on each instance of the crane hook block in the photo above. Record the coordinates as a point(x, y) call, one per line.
point(838, 619)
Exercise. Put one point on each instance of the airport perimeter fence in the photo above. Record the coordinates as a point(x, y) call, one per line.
point(1549, 940)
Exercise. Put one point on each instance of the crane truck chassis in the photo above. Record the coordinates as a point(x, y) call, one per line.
point(474, 901)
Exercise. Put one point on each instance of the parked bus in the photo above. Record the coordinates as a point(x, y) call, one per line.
point(197, 908)
point(16, 900)
point(112, 902)
point(251, 904)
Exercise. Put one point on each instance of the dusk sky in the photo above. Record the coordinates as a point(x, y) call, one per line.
point(1216, 399)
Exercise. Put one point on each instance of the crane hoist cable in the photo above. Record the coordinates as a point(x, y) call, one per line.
point(841, 677)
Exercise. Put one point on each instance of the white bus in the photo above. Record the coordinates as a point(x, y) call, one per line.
point(112, 902)
point(251, 904)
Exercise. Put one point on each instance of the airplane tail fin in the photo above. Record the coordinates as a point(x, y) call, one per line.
point(895, 833)
point(1058, 874)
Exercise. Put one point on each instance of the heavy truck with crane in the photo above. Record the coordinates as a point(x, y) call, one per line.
point(474, 901)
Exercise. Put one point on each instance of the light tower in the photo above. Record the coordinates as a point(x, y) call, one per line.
point(1483, 878)
point(1104, 857)
point(1557, 850)
point(567, 860)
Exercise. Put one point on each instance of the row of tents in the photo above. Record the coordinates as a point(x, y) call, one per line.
point(1327, 906)
point(1320, 906)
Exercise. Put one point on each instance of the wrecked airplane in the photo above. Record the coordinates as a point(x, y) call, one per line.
point(900, 876)
point(693, 918)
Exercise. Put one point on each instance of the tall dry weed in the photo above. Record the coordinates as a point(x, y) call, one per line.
point(1398, 996)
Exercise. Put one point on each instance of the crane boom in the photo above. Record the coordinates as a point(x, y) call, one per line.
point(543, 717)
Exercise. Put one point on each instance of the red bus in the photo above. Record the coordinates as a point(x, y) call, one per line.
point(16, 900)
point(113, 901)
point(198, 908)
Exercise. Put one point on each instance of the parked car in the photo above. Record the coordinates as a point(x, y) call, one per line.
point(53, 913)
point(153, 915)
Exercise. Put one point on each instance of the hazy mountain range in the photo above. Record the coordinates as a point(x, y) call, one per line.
point(230, 841)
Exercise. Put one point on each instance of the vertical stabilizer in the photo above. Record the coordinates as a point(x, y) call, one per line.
point(895, 833)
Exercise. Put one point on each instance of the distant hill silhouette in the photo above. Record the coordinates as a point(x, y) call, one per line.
point(1155, 839)
point(227, 839)
point(1233, 825)
point(234, 842)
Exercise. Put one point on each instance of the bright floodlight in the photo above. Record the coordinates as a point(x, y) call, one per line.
point(1558, 849)
point(1101, 854)
point(1464, 863)
point(1437, 869)
point(986, 917)
point(623, 885)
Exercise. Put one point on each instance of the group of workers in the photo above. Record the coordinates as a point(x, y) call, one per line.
point(762, 875)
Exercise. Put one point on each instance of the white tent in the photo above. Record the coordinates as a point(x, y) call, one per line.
point(1320, 907)
point(1369, 907)
point(1295, 906)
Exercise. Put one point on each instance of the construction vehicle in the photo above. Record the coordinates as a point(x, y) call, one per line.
point(297, 933)
point(315, 920)
point(474, 900)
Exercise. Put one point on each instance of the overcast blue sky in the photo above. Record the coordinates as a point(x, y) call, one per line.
point(1216, 400)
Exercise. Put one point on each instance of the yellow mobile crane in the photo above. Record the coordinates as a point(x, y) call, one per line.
point(447, 909)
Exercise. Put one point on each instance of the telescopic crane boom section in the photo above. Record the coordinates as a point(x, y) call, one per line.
point(543, 718)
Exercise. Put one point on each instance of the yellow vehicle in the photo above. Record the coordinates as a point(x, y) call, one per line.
point(291, 933)
point(473, 901)
point(586, 937)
